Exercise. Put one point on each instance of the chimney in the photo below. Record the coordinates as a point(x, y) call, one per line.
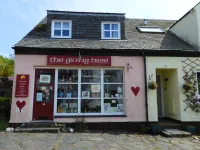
point(145, 22)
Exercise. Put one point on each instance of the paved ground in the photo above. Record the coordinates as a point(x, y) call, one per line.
point(93, 141)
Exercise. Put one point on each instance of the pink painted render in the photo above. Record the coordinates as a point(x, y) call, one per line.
point(134, 105)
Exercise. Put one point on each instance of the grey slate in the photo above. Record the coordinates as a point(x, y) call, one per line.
point(39, 37)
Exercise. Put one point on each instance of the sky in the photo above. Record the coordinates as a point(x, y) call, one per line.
point(18, 17)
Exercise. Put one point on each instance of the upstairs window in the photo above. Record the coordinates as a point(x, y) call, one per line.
point(110, 30)
point(61, 29)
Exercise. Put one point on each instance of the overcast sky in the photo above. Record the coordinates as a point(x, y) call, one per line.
point(18, 17)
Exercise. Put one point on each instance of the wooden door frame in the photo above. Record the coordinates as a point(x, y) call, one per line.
point(34, 93)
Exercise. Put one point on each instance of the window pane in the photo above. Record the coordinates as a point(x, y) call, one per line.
point(57, 32)
point(65, 32)
point(44, 77)
point(67, 106)
point(113, 105)
point(91, 106)
point(106, 26)
point(67, 91)
point(67, 76)
point(57, 25)
point(115, 76)
point(65, 25)
point(43, 93)
point(106, 33)
point(90, 76)
point(115, 34)
point(114, 26)
point(90, 91)
point(113, 90)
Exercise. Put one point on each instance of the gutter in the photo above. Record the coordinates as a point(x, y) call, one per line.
point(145, 80)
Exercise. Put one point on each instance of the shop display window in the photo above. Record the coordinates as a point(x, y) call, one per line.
point(90, 91)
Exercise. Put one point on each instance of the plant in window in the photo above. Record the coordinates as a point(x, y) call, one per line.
point(45, 92)
point(187, 86)
point(152, 85)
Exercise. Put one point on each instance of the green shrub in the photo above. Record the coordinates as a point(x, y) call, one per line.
point(2, 99)
point(5, 105)
point(3, 125)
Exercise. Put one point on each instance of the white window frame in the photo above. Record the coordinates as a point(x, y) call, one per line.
point(108, 22)
point(102, 83)
point(61, 21)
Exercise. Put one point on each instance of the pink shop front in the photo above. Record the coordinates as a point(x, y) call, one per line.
point(61, 88)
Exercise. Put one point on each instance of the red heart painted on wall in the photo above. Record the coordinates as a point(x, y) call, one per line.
point(135, 90)
point(20, 104)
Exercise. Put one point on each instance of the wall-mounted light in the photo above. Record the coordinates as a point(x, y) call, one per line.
point(79, 56)
point(128, 66)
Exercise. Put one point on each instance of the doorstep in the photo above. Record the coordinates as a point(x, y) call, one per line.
point(175, 133)
point(38, 130)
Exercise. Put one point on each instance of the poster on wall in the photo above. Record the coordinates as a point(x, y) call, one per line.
point(22, 85)
point(45, 78)
point(39, 97)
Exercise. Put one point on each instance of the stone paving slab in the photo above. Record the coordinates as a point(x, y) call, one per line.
point(94, 141)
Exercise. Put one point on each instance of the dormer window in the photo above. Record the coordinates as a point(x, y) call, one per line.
point(61, 29)
point(110, 30)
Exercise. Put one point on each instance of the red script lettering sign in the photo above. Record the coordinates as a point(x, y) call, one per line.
point(75, 61)
point(22, 83)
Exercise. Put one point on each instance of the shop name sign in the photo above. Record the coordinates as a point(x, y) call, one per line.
point(22, 85)
point(74, 60)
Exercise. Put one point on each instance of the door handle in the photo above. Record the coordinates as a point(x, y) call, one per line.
point(43, 104)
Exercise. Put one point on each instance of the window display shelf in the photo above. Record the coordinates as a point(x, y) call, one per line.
point(91, 76)
point(113, 97)
point(67, 83)
point(91, 83)
point(67, 98)
point(92, 98)
point(111, 83)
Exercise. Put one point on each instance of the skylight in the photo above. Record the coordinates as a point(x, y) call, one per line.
point(148, 29)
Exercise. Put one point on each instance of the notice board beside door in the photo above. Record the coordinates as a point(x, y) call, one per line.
point(22, 85)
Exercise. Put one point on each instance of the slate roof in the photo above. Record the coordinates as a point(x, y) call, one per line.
point(38, 38)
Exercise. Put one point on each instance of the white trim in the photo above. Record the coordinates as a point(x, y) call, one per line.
point(88, 114)
point(79, 91)
point(55, 91)
point(33, 92)
point(110, 22)
point(102, 92)
point(61, 21)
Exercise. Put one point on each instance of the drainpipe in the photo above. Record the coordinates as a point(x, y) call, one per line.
point(145, 80)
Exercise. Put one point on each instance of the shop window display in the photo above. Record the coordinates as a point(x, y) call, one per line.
point(90, 91)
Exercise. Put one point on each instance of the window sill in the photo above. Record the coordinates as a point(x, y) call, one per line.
point(89, 116)
point(60, 37)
